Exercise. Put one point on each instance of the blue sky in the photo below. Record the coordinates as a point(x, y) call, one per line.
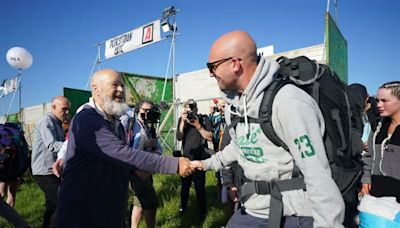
point(60, 35)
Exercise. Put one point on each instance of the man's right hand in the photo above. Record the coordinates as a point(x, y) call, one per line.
point(57, 166)
point(185, 168)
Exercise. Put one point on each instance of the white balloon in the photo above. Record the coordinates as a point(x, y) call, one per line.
point(19, 58)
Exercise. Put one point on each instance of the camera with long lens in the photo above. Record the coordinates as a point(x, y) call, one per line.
point(191, 115)
point(152, 116)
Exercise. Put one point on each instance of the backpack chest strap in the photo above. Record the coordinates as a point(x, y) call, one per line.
point(275, 189)
point(266, 187)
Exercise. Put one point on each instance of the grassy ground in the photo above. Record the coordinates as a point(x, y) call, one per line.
point(30, 204)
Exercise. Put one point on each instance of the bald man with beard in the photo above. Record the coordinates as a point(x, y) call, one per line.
point(93, 192)
point(243, 77)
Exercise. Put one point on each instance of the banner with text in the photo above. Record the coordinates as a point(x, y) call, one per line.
point(129, 41)
point(10, 85)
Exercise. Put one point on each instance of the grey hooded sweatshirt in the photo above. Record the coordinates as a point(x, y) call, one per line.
point(298, 121)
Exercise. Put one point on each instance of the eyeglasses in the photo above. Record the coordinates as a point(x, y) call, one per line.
point(213, 65)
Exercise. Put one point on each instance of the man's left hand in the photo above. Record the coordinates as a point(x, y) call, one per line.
point(233, 194)
point(57, 166)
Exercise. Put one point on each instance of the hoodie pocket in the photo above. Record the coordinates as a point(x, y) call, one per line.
point(260, 172)
point(391, 162)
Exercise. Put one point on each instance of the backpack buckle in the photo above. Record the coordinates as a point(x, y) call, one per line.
point(257, 189)
point(265, 117)
point(263, 187)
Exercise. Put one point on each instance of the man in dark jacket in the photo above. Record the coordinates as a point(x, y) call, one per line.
point(93, 192)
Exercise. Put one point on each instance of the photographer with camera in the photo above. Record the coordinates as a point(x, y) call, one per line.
point(194, 130)
point(140, 125)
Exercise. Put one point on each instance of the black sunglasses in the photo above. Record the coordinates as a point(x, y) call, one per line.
point(212, 66)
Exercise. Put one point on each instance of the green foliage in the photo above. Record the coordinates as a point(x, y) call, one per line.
point(30, 204)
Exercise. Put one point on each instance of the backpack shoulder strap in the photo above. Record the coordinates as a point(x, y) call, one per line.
point(265, 113)
point(234, 121)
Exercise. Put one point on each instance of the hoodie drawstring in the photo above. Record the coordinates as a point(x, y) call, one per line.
point(246, 121)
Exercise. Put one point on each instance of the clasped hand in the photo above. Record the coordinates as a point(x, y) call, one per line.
point(187, 167)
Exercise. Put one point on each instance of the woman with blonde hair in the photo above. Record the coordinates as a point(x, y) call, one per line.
point(382, 161)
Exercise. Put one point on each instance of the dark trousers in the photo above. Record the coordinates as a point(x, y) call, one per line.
point(12, 215)
point(199, 179)
point(49, 185)
point(351, 201)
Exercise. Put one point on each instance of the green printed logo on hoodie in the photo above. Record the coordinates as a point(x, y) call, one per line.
point(305, 146)
point(251, 139)
point(247, 145)
point(253, 154)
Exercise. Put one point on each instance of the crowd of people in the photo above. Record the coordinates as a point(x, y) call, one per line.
point(85, 172)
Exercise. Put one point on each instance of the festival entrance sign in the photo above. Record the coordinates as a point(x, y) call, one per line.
point(134, 39)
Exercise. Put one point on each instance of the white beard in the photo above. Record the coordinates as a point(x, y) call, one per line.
point(114, 108)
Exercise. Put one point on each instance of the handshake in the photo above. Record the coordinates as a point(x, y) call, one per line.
point(187, 167)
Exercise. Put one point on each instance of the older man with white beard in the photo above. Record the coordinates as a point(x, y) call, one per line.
point(93, 192)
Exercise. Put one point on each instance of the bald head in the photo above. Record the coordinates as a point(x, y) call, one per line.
point(59, 100)
point(103, 76)
point(60, 106)
point(234, 44)
point(233, 60)
point(108, 91)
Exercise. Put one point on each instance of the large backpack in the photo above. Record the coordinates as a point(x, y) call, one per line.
point(322, 83)
point(14, 152)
